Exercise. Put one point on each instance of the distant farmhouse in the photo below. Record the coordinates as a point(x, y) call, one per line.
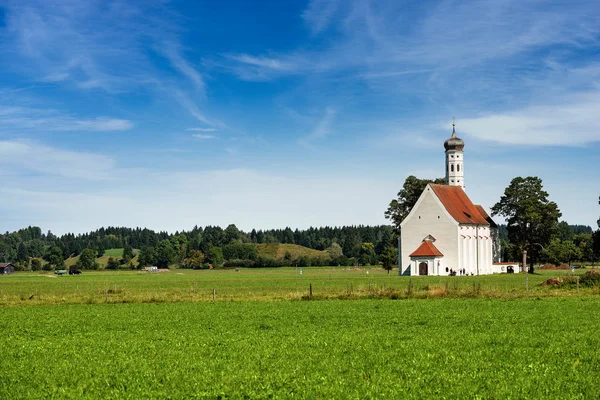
point(445, 233)
point(6, 268)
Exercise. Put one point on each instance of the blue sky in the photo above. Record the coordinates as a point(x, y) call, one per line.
point(288, 113)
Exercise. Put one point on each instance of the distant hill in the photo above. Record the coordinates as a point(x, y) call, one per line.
point(278, 250)
point(114, 253)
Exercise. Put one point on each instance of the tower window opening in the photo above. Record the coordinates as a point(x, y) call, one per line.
point(452, 167)
point(458, 168)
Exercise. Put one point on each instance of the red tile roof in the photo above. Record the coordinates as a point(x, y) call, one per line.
point(485, 216)
point(426, 249)
point(458, 204)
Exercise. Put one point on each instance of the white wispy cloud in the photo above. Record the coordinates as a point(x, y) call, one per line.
point(91, 44)
point(570, 122)
point(319, 13)
point(203, 136)
point(21, 157)
point(173, 53)
point(17, 118)
point(187, 103)
point(202, 129)
point(263, 67)
point(445, 41)
point(99, 45)
point(322, 127)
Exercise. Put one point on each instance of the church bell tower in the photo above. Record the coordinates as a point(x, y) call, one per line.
point(454, 160)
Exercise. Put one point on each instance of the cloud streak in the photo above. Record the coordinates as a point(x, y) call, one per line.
point(171, 51)
point(322, 128)
point(26, 118)
point(202, 129)
point(573, 122)
point(20, 157)
point(203, 136)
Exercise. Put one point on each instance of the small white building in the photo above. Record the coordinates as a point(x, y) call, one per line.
point(445, 233)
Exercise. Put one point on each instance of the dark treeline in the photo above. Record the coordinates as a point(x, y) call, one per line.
point(199, 246)
point(568, 243)
point(231, 247)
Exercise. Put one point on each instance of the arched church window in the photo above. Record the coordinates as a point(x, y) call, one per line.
point(452, 167)
point(458, 168)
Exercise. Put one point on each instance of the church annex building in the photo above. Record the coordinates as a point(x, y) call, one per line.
point(445, 233)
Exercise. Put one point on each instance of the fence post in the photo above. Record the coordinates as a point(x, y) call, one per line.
point(310, 291)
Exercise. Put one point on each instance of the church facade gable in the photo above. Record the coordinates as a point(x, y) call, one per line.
point(428, 217)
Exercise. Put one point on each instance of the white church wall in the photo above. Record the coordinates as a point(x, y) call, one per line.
point(476, 249)
point(429, 217)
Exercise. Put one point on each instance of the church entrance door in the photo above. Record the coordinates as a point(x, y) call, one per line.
point(423, 268)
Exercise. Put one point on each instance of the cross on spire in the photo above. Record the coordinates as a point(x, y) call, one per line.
point(453, 128)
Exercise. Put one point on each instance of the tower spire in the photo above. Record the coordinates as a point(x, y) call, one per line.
point(454, 159)
point(453, 128)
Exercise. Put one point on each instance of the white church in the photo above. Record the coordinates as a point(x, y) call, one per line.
point(445, 233)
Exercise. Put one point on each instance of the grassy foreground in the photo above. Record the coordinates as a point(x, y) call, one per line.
point(441, 348)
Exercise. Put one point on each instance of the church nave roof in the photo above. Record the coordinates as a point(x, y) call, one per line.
point(458, 204)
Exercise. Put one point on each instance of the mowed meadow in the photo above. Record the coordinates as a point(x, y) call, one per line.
point(264, 284)
point(258, 333)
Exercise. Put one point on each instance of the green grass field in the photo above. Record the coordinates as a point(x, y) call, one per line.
point(440, 348)
point(265, 284)
point(128, 334)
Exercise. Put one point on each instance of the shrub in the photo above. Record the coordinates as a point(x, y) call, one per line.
point(590, 279)
point(268, 262)
point(36, 264)
point(239, 263)
point(113, 263)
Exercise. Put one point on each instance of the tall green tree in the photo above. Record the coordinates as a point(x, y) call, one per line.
point(564, 232)
point(531, 217)
point(165, 254)
point(54, 258)
point(194, 260)
point(87, 259)
point(335, 250)
point(214, 256)
point(22, 255)
point(147, 256)
point(367, 254)
point(352, 245)
point(389, 258)
point(561, 252)
point(407, 197)
point(596, 245)
point(231, 233)
point(128, 253)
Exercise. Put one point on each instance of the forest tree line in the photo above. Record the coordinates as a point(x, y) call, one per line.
point(199, 247)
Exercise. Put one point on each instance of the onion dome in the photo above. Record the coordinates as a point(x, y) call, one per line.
point(454, 142)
